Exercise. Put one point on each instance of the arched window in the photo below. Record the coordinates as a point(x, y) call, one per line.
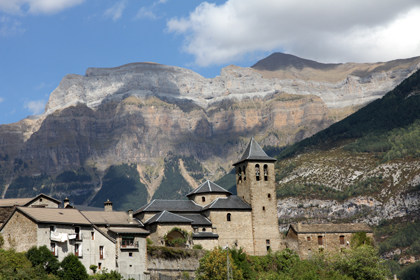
point(244, 174)
point(228, 217)
point(257, 172)
point(239, 175)
point(265, 172)
point(203, 199)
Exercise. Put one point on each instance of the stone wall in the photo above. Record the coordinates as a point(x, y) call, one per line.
point(306, 244)
point(44, 202)
point(158, 231)
point(261, 195)
point(208, 198)
point(238, 231)
point(19, 233)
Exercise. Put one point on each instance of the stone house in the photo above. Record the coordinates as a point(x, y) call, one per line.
point(7, 205)
point(213, 216)
point(111, 240)
point(307, 239)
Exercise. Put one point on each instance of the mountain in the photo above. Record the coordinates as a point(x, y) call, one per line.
point(146, 130)
point(364, 168)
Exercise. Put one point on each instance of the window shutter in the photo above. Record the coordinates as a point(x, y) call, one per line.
point(80, 250)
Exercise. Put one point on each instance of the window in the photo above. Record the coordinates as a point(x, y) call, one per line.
point(239, 175)
point(320, 240)
point(265, 172)
point(52, 228)
point(204, 229)
point(99, 265)
point(78, 233)
point(244, 174)
point(130, 254)
point(40, 200)
point(257, 172)
point(263, 208)
point(228, 217)
point(341, 239)
point(127, 241)
point(93, 235)
point(76, 250)
point(203, 199)
point(267, 241)
point(53, 249)
point(308, 238)
point(101, 252)
point(268, 248)
point(269, 195)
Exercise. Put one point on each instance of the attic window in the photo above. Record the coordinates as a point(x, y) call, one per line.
point(203, 199)
point(204, 229)
point(40, 200)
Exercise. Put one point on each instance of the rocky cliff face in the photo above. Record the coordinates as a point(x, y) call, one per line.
point(140, 113)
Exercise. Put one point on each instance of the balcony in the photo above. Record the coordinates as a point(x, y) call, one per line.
point(129, 245)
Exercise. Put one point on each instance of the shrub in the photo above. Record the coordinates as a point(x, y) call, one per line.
point(198, 247)
point(73, 269)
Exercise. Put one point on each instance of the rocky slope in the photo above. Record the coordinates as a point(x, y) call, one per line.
point(146, 115)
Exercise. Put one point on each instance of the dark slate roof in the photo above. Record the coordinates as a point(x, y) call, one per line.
point(205, 234)
point(198, 219)
point(167, 217)
point(158, 205)
point(331, 228)
point(208, 187)
point(254, 152)
point(232, 202)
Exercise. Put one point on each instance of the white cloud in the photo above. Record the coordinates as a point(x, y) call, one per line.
point(1, 99)
point(145, 13)
point(35, 106)
point(325, 30)
point(36, 6)
point(10, 26)
point(115, 12)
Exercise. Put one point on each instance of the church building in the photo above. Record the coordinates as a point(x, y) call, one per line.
point(212, 216)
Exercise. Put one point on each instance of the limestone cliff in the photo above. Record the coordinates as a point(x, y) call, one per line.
point(143, 113)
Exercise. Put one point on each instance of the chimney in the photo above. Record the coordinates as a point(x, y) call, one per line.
point(108, 206)
point(66, 202)
point(130, 216)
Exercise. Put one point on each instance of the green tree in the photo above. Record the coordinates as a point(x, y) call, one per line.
point(73, 269)
point(361, 263)
point(359, 239)
point(105, 275)
point(14, 266)
point(42, 257)
point(214, 266)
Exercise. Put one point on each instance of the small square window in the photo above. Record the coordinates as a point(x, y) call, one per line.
point(130, 254)
point(267, 241)
point(308, 238)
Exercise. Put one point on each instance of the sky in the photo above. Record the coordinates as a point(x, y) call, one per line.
point(41, 41)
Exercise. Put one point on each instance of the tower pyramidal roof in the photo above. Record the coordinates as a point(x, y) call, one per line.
point(254, 152)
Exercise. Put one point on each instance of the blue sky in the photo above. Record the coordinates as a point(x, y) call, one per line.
point(43, 40)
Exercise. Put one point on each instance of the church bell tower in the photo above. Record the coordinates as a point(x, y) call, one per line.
point(255, 184)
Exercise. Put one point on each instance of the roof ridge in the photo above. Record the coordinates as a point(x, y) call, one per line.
point(150, 203)
point(163, 212)
point(208, 183)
